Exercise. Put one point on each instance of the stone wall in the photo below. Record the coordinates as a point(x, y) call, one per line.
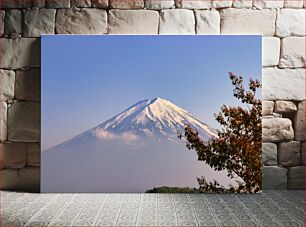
point(281, 22)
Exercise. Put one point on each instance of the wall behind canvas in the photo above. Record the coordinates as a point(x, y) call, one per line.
point(280, 22)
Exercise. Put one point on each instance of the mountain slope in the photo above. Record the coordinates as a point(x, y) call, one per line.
point(134, 151)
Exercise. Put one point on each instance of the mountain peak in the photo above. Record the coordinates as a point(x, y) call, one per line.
point(154, 118)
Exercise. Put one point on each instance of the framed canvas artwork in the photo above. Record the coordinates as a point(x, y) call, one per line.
point(151, 113)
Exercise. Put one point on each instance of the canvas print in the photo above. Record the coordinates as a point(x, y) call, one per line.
point(151, 113)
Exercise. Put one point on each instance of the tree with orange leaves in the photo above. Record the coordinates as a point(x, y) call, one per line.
point(237, 148)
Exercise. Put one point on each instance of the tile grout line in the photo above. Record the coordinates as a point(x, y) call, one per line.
point(100, 213)
point(272, 201)
point(138, 210)
point(217, 220)
point(247, 209)
point(120, 209)
point(81, 210)
point(194, 215)
point(229, 210)
point(40, 211)
point(64, 207)
point(176, 218)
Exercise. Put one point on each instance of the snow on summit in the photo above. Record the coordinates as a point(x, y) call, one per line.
point(153, 118)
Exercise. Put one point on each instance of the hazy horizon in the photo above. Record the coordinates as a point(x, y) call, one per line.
point(88, 79)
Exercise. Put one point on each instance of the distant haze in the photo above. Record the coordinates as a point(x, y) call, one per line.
point(89, 79)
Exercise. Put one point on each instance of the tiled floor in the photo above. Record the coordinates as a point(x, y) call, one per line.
point(271, 208)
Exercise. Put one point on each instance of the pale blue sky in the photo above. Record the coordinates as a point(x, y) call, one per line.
point(88, 79)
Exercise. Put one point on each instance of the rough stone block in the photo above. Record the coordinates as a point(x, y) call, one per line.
point(191, 4)
point(221, 3)
point(303, 160)
point(133, 22)
point(26, 179)
point(277, 129)
point(293, 52)
point(299, 122)
point(81, 21)
point(296, 177)
point(38, 22)
point(80, 3)
point(177, 21)
point(269, 154)
point(159, 4)
point(24, 122)
point(2, 15)
point(270, 51)
point(15, 4)
point(267, 107)
point(27, 86)
point(56, 4)
point(100, 3)
point(7, 84)
point(13, 155)
point(248, 21)
point(283, 84)
point(242, 4)
point(13, 21)
point(3, 121)
point(33, 154)
point(274, 177)
point(293, 4)
point(289, 153)
point(261, 4)
point(20, 53)
point(39, 3)
point(126, 4)
point(290, 22)
point(285, 107)
point(208, 22)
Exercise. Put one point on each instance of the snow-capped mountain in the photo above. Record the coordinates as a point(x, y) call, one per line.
point(134, 151)
point(155, 119)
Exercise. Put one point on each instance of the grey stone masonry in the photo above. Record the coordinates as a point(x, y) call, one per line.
point(7, 81)
point(24, 122)
point(126, 4)
point(33, 158)
point(277, 129)
point(81, 21)
point(269, 154)
point(296, 177)
point(207, 22)
point(39, 21)
point(290, 22)
point(2, 14)
point(267, 107)
point(26, 179)
point(140, 22)
point(159, 4)
point(248, 21)
point(283, 84)
point(285, 107)
point(80, 3)
point(274, 177)
point(55, 4)
point(289, 153)
point(299, 122)
point(27, 85)
point(13, 155)
point(3, 121)
point(100, 3)
point(20, 53)
point(178, 21)
point(13, 21)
